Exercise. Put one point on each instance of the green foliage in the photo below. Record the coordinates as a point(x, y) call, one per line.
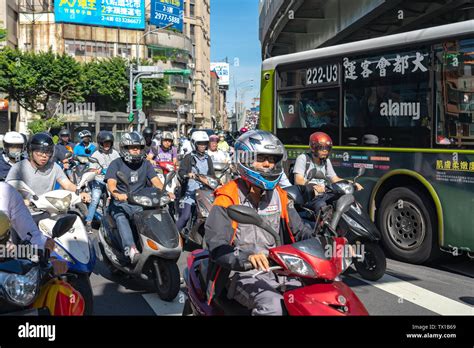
point(42, 125)
point(38, 82)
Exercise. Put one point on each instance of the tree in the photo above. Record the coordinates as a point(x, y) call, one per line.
point(107, 84)
point(3, 33)
point(40, 82)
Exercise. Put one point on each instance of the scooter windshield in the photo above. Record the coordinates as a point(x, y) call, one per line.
point(313, 247)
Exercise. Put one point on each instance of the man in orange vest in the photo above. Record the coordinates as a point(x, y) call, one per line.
point(259, 156)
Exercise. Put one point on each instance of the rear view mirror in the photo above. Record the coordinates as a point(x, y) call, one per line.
point(20, 186)
point(247, 215)
point(320, 175)
point(63, 225)
point(68, 155)
point(93, 160)
point(360, 173)
point(87, 177)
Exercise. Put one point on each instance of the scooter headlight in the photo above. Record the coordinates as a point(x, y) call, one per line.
point(61, 204)
point(62, 253)
point(143, 200)
point(297, 265)
point(20, 290)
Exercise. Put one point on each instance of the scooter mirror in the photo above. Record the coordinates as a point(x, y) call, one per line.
point(319, 174)
point(93, 160)
point(247, 215)
point(20, 186)
point(68, 155)
point(87, 177)
point(360, 173)
point(63, 225)
point(82, 159)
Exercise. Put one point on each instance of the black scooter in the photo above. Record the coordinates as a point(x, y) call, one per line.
point(156, 237)
point(355, 224)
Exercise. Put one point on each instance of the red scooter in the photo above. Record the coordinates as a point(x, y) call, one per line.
point(317, 262)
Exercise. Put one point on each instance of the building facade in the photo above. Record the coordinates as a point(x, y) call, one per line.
point(37, 31)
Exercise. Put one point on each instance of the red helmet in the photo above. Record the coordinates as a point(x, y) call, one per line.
point(320, 141)
point(243, 130)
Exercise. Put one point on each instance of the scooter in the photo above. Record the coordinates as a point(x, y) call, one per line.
point(156, 238)
point(355, 225)
point(193, 232)
point(75, 247)
point(322, 292)
point(21, 279)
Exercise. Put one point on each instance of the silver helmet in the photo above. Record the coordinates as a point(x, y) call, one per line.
point(14, 139)
point(132, 139)
point(248, 147)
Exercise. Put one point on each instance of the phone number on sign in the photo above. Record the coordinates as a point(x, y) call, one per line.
point(168, 18)
point(121, 20)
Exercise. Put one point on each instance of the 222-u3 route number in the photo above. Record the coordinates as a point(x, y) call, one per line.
point(322, 74)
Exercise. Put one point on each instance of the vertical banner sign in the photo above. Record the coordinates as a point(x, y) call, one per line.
point(129, 14)
point(164, 12)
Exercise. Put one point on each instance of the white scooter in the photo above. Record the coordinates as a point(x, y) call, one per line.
point(74, 246)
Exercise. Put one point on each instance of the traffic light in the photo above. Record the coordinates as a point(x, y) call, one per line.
point(139, 90)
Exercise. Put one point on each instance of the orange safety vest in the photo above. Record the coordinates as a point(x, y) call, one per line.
point(228, 195)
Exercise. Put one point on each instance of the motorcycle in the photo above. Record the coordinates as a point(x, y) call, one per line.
point(21, 279)
point(193, 232)
point(322, 292)
point(355, 224)
point(156, 238)
point(75, 247)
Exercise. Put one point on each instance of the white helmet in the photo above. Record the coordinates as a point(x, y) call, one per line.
point(199, 137)
point(14, 138)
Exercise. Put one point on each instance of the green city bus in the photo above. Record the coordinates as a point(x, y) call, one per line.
point(402, 106)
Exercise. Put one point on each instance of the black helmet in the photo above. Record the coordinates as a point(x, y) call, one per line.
point(147, 132)
point(41, 142)
point(130, 139)
point(64, 133)
point(103, 137)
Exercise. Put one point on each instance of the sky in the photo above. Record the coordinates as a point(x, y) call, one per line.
point(234, 34)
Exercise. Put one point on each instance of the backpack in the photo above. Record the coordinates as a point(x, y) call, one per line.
point(60, 298)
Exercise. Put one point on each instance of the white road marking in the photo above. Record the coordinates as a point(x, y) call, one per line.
point(424, 298)
point(161, 307)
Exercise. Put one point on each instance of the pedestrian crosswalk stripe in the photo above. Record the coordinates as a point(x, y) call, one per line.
point(161, 307)
point(424, 298)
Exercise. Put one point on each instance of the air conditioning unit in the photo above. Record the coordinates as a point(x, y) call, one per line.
point(192, 65)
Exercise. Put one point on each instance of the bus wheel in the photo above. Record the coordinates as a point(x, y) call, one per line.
point(408, 226)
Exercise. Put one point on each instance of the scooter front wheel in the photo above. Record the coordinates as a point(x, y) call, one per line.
point(168, 272)
point(373, 264)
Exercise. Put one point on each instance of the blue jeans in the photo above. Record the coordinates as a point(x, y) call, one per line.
point(122, 212)
point(184, 216)
point(97, 188)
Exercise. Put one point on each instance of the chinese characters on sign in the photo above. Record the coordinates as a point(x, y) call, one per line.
point(128, 14)
point(462, 166)
point(165, 12)
point(383, 66)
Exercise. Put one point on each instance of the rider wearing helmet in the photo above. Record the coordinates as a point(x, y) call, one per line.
point(222, 144)
point(320, 144)
point(39, 172)
point(14, 213)
point(164, 154)
point(104, 156)
point(148, 136)
point(196, 162)
point(85, 147)
point(259, 157)
point(138, 172)
point(13, 152)
point(63, 147)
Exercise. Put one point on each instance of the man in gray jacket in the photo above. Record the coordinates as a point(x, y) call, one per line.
point(259, 162)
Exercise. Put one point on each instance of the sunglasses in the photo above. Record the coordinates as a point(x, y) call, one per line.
point(269, 158)
point(322, 147)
